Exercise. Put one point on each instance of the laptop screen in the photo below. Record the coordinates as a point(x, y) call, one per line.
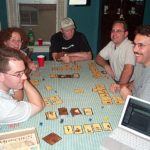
point(136, 116)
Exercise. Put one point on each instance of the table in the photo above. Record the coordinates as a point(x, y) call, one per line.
point(64, 88)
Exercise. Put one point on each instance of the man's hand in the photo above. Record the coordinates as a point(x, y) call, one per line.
point(65, 58)
point(115, 87)
point(57, 56)
point(124, 92)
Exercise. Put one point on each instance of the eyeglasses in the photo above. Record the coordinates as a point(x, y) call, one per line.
point(117, 31)
point(14, 41)
point(18, 75)
point(140, 45)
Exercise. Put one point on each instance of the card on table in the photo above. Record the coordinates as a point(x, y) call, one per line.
point(48, 87)
point(77, 129)
point(55, 100)
point(96, 127)
point(63, 111)
point(75, 111)
point(76, 75)
point(118, 100)
point(51, 115)
point(88, 128)
point(53, 76)
point(52, 138)
point(79, 91)
point(68, 129)
point(106, 126)
point(35, 82)
point(88, 111)
point(47, 101)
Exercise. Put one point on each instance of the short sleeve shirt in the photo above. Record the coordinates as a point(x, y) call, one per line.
point(142, 83)
point(78, 43)
point(13, 111)
point(118, 56)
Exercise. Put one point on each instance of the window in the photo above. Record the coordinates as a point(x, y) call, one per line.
point(43, 16)
point(28, 15)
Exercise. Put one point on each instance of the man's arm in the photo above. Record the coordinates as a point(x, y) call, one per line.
point(72, 57)
point(103, 63)
point(34, 97)
point(126, 74)
point(79, 56)
point(57, 56)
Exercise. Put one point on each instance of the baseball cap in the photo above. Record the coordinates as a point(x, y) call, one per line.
point(67, 23)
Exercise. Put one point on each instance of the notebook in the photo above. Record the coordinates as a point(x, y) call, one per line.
point(133, 131)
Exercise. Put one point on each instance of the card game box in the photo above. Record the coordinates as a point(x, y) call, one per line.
point(24, 139)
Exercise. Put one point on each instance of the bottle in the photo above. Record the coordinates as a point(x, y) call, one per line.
point(31, 37)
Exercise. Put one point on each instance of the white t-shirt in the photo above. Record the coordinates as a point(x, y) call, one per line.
point(13, 111)
point(119, 56)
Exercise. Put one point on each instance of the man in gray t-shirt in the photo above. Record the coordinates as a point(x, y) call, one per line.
point(141, 85)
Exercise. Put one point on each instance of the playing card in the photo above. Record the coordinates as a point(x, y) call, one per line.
point(68, 129)
point(88, 128)
point(118, 100)
point(75, 111)
point(106, 126)
point(77, 129)
point(47, 102)
point(79, 91)
point(51, 115)
point(88, 111)
point(96, 127)
point(48, 87)
point(63, 111)
point(35, 82)
point(55, 100)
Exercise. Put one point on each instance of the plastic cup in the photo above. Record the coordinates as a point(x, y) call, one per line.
point(40, 42)
point(41, 60)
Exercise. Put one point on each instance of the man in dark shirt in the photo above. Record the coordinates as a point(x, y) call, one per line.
point(68, 45)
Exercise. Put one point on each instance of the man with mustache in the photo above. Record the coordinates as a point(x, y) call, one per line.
point(119, 54)
point(141, 85)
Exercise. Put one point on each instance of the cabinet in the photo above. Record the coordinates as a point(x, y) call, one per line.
point(131, 10)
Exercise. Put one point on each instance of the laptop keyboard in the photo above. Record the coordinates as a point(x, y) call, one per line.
point(130, 139)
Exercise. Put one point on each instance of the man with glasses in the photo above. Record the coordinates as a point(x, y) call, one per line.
point(141, 85)
point(12, 76)
point(117, 56)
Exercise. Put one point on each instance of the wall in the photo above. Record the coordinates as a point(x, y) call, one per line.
point(3, 14)
point(87, 21)
point(146, 19)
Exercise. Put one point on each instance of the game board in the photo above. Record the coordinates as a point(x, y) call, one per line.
point(79, 112)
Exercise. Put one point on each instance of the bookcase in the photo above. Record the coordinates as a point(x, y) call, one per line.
point(131, 10)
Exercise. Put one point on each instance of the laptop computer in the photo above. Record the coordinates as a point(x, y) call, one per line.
point(133, 131)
